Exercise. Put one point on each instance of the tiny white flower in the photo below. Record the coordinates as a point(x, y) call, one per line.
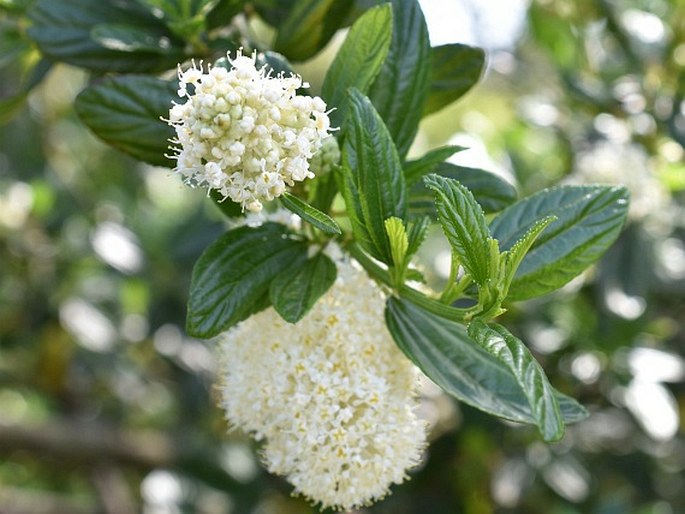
point(331, 396)
point(245, 122)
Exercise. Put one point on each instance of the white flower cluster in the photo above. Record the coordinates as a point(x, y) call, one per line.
point(331, 396)
point(245, 133)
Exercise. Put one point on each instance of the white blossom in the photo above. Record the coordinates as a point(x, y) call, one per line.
point(332, 397)
point(244, 132)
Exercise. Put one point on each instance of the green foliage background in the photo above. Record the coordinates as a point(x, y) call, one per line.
point(105, 403)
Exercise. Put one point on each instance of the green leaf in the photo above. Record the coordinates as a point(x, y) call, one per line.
point(373, 184)
point(310, 214)
point(511, 259)
point(64, 32)
point(234, 272)
point(359, 59)
point(310, 24)
point(455, 69)
point(228, 207)
point(295, 291)
point(129, 38)
point(273, 11)
point(571, 411)
point(222, 14)
point(401, 87)
point(416, 169)
point(589, 221)
point(185, 18)
point(442, 349)
point(490, 191)
point(464, 225)
point(399, 242)
point(125, 112)
point(529, 374)
point(417, 234)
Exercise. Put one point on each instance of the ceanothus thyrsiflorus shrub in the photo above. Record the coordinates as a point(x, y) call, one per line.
point(323, 324)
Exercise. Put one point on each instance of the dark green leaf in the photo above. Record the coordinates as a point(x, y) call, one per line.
point(401, 87)
point(222, 14)
point(294, 291)
point(129, 38)
point(309, 26)
point(311, 215)
point(414, 170)
point(234, 272)
point(571, 411)
point(464, 225)
point(589, 220)
point(64, 32)
point(490, 191)
point(274, 61)
point(274, 12)
point(417, 233)
point(125, 112)
point(442, 349)
point(373, 185)
point(455, 69)
point(359, 59)
point(529, 374)
point(185, 18)
point(227, 206)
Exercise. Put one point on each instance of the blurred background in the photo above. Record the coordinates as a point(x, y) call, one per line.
point(106, 406)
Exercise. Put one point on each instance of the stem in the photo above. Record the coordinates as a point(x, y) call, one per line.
point(383, 276)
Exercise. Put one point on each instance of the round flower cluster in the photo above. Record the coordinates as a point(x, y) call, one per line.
point(245, 133)
point(331, 396)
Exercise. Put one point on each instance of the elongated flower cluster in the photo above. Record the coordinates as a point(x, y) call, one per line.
point(331, 396)
point(245, 133)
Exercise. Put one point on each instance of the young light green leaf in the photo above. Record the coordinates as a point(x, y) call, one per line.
point(416, 169)
point(511, 259)
point(455, 69)
point(442, 349)
point(311, 215)
point(125, 112)
point(464, 225)
point(359, 59)
point(309, 26)
point(234, 272)
point(373, 185)
point(401, 87)
point(63, 31)
point(589, 221)
point(295, 290)
point(529, 375)
point(399, 243)
point(490, 191)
